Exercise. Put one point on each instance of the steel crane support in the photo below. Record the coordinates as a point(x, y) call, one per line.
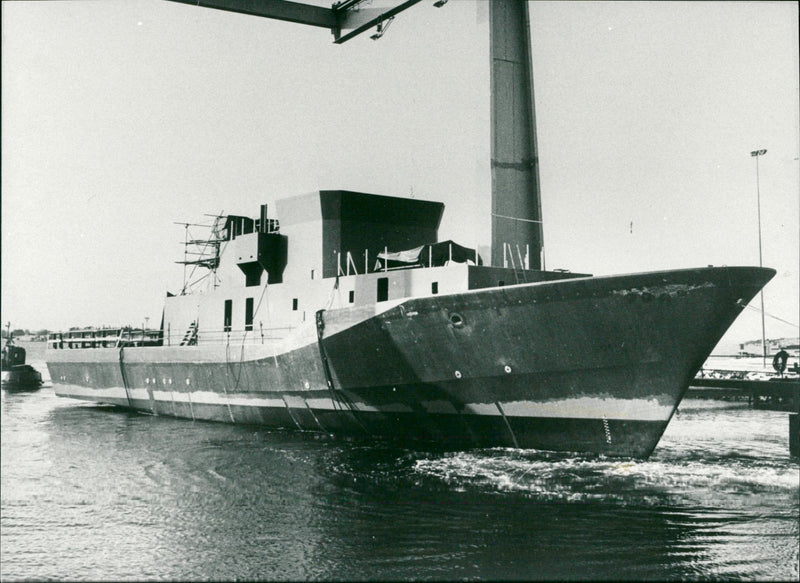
point(516, 199)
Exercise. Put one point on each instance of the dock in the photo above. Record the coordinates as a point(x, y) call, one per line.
point(776, 394)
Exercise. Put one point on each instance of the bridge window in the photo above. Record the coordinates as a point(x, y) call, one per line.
point(228, 315)
point(383, 289)
point(248, 314)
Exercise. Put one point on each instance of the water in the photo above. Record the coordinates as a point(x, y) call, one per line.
point(94, 493)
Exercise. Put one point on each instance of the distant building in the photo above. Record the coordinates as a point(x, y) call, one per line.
point(753, 347)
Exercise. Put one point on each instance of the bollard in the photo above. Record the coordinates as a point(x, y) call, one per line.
point(794, 434)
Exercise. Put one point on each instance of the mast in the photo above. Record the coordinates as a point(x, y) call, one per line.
point(516, 203)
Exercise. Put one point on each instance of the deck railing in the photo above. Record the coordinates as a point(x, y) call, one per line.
point(129, 337)
point(104, 338)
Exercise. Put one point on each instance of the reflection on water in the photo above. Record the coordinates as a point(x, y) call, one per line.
point(93, 492)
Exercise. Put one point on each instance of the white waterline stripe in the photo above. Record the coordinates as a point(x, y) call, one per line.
point(96, 394)
point(592, 408)
point(575, 408)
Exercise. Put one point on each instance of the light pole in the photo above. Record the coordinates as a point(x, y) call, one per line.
point(756, 154)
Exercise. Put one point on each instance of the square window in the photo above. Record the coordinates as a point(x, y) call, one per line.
point(352, 296)
point(435, 287)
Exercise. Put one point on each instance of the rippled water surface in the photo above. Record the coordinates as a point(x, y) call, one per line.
point(92, 492)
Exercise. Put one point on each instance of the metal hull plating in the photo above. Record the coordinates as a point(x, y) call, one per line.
point(21, 378)
point(590, 365)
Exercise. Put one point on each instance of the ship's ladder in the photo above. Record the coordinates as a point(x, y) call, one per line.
point(513, 263)
point(190, 338)
point(521, 265)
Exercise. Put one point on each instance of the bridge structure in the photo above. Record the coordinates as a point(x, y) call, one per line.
point(516, 209)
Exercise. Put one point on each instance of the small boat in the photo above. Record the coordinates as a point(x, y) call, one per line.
point(16, 375)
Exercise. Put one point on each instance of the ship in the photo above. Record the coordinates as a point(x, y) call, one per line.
point(16, 374)
point(345, 314)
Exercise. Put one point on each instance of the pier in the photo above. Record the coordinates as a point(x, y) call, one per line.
point(775, 394)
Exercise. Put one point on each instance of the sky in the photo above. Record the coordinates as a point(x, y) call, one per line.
point(121, 118)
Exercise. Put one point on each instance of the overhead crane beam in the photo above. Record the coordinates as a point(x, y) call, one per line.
point(279, 9)
point(345, 19)
point(356, 20)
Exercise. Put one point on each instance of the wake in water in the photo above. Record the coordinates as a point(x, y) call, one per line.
point(559, 478)
point(723, 461)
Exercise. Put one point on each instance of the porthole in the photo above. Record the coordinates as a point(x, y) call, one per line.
point(456, 319)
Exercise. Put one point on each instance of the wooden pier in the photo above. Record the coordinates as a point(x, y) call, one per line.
point(776, 394)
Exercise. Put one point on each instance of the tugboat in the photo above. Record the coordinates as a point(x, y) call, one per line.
point(16, 375)
point(344, 314)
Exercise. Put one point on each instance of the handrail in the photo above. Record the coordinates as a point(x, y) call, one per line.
point(124, 337)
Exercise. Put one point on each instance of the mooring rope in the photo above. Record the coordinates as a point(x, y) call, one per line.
point(336, 395)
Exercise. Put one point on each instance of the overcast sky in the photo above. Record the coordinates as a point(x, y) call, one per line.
point(121, 117)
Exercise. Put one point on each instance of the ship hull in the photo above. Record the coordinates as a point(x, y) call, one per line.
point(585, 365)
point(21, 378)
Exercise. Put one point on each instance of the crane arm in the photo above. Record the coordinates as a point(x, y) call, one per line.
point(346, 17)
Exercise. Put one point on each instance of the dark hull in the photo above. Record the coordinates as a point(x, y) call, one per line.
point(588, 365)
point(21, 378)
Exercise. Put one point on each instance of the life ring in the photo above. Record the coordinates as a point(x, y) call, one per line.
point(779, 361)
